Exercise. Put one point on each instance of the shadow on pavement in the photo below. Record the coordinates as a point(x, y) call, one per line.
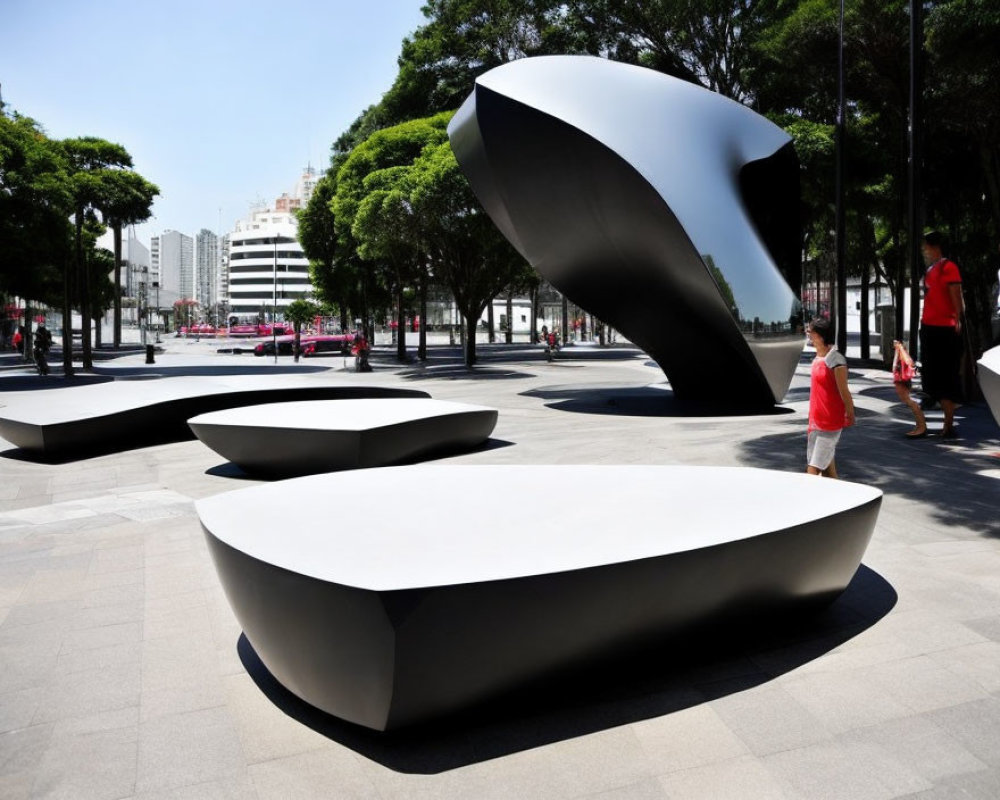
point(714, 663)
point(960, 478)
point(228, 469)
point(32, 383)
point(634, 401)
point(163, 371)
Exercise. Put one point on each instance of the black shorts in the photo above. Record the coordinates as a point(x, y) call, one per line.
point(940, 357)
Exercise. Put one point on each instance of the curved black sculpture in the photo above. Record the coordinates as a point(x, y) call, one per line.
point(664, 209)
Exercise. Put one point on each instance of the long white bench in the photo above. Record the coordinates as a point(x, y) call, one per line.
point(305, 437)
point(434, 587)
point(122, 414)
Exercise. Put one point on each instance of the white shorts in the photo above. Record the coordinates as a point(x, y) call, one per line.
point(820, 448)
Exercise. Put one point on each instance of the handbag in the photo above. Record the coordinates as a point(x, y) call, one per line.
point(903, 368)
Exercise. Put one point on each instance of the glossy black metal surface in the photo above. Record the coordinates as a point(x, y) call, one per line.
point(666, 210)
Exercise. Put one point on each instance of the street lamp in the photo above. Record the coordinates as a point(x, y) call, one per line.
point(156, 285)
point(274, 302)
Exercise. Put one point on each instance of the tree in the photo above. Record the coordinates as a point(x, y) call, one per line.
point(962, 153)
point(372, 209)
point(300, 312)
point(90, 163)
point(35, 204)
point(467, 251)
point(128, 199)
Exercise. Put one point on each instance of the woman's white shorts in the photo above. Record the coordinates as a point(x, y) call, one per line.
point(820, 448)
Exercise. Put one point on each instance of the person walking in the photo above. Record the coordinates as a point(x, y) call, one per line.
point(831, 407)
point(903, 370)
point(941, 330)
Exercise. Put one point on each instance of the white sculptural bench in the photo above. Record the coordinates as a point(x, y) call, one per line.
point(122, 414)
point(306, 437)
point(441, 586)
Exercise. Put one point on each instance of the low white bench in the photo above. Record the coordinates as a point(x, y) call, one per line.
point(439, 586)
point(302, 438)
point(127, 413)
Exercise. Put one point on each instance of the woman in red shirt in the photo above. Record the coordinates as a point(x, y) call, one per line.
point(831, 407)
point(941, 330)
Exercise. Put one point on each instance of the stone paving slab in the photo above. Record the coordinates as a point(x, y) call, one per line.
point(123, 673)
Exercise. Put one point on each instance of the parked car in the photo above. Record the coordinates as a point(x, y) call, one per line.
point(319, 344)
point(265, 347)
point(312, 344)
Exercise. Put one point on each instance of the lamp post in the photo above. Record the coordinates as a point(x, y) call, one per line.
point(274, 302)
point(156, 286)
point(841, 226)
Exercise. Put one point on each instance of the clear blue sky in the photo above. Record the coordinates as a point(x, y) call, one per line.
point(220, 103)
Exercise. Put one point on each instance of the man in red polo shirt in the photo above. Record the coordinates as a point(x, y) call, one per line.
point(941, 330)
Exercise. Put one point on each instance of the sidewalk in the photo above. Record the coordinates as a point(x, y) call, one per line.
point(125, 674)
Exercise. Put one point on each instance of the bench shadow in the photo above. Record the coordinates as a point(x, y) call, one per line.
point(713, 662)
point(32, 383)
point(214, 370)
point(228, 469)
point(636, 401)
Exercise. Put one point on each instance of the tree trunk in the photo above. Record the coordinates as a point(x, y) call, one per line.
point(83, 271)
point(534, 315)
point(865, 282)
point(509, 338)
point(117, 334)
point(564, 334)
point(471, 322)
point(67, 325)
point(400, 324)
point(489, 322)
point(422, 336)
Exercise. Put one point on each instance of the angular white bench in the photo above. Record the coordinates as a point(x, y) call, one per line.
point(989, 380)
point(438, 586)
point(302, 438)
point(122, 414)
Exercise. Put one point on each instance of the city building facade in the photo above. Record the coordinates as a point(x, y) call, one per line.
point(172, 263)
point(206, 271)
point(266, 268)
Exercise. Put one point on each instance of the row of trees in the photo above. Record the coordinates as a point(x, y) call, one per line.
point(393, 211)
point(57, 198)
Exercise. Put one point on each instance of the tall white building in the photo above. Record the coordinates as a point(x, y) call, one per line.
point(206, 270)
point(172, 257)
point(266, 267)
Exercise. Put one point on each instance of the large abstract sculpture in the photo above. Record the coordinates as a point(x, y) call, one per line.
point(401, 611)
point(666, 210)
point(989, 380)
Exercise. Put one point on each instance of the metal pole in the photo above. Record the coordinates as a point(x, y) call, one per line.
point(841, 226)
point(274, 302)
point(913, 209)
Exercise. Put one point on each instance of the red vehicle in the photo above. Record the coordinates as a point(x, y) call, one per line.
point(263, 329)
point(312, 344)
point(318, 344)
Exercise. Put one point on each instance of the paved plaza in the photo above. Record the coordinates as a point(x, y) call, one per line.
point(123, 672)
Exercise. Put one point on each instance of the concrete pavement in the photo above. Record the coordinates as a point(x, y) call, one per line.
point(124, 673)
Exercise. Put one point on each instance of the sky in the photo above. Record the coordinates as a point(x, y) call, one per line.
point(221, 104)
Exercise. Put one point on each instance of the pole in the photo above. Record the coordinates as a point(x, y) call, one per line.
point(274, 302)
point(913, 206)
point(841, 226)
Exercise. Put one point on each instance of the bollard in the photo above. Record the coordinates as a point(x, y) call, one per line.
point(149, 354)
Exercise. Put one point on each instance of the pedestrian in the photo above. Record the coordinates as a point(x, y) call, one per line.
point(941, 330)
point(831, 407)
point(903, 370)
